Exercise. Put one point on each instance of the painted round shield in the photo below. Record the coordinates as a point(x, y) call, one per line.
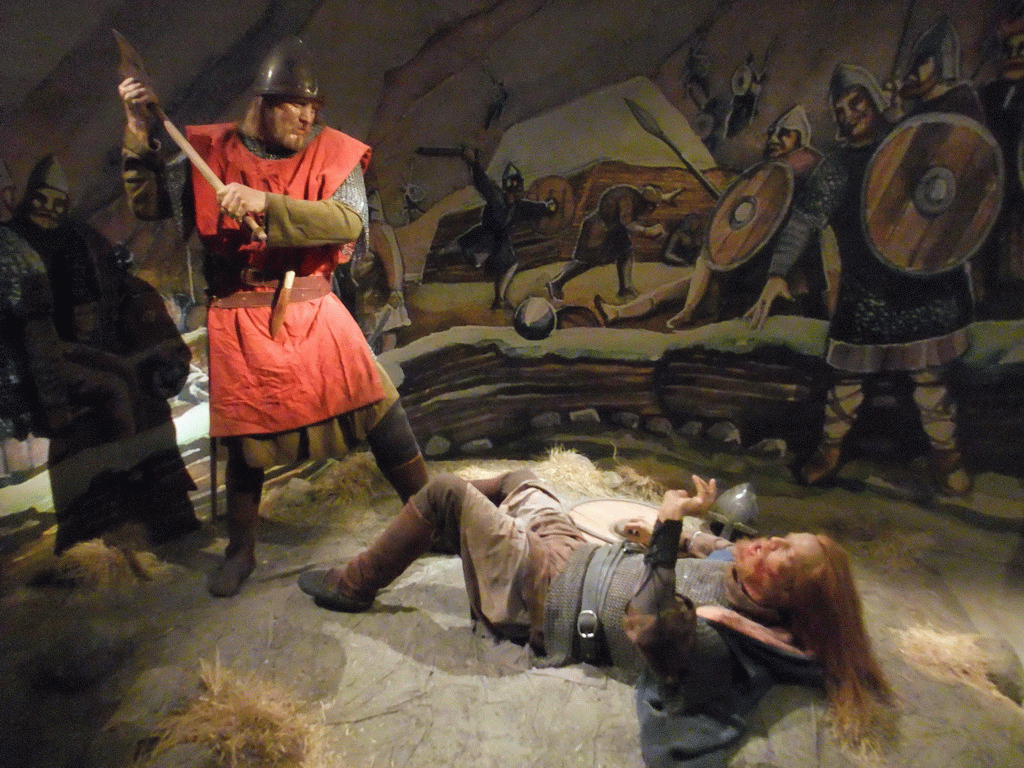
point(748, 214)
point(557, 189)
point(598, 518)
point(932, 192)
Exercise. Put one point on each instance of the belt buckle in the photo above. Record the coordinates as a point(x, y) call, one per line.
point(254, 277)
point(587, 624)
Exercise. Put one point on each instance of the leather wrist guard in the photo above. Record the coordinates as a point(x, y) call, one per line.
point(664, 546)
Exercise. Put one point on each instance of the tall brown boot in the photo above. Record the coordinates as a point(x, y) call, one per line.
point(240, 554)
point(407, 478)
point(353, 586)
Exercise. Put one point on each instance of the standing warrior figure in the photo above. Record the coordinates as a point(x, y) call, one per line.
point(788, 141)
point(999, 268)
point(885, 320)
point(605, 235)
point(932, 82)
point(488, 245)
point(315, 390)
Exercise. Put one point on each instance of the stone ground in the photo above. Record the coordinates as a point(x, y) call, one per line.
point(88, 672)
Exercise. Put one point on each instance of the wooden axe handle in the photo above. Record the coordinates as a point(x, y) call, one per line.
point(185, 145)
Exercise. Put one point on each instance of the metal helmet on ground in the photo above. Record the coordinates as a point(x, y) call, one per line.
point(287, 72)
point(736, 509)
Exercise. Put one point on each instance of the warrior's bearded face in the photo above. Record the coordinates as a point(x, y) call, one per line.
point(288, 123)
point(858, 119)
point(48, 207)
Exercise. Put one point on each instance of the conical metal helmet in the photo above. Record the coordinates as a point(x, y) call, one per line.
point(47, 173)
point(794, 119)
point(847, 76)
point(736, 509)
point(511, 177)
point(287, 71)
point(939, 42)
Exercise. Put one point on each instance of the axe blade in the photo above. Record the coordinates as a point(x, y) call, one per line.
point(131, 63)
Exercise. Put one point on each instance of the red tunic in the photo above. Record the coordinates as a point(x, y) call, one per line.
point(320, 365)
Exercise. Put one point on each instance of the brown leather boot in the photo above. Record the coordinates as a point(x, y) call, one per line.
point(353, 586)
point(823, 463)
point(240, 554)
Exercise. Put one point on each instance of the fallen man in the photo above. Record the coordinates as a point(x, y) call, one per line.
point(710, 636)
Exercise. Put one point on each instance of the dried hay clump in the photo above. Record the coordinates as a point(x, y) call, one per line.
point(93, 564)
point(245, 722)
point(577, 474)
point(351, 483)
point(951, 656)
point(353, 480)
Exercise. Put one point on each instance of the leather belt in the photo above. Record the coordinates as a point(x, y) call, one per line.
point(600, 569)
point(305, 288)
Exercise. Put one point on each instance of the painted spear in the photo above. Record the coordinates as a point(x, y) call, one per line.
point(650, 124)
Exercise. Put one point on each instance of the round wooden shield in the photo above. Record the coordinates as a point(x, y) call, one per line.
point(597, 518)
point(748, 214)
point(932, 193)
point(555, 188)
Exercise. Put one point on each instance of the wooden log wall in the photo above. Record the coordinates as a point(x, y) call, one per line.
point(475, 391)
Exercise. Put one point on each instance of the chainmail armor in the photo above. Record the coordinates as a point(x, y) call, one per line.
point(703, 581)
point(352, 193)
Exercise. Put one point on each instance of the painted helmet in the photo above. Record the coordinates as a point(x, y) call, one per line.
point(48, 173)
point(847, 76)
point(511, 177)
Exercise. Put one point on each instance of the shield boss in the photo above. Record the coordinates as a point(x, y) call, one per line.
point(558, 189)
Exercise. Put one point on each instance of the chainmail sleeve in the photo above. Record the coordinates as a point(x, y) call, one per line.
point(352, 193)
point(812, 211)
point(178, 176)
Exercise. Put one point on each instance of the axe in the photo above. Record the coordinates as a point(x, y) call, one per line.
point(131, 66)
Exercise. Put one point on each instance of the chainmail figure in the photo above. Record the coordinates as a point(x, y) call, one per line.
point(707, 638)
point(885, 320)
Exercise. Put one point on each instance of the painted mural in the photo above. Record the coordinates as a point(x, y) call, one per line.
point(832, 268)
point(894, 236)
